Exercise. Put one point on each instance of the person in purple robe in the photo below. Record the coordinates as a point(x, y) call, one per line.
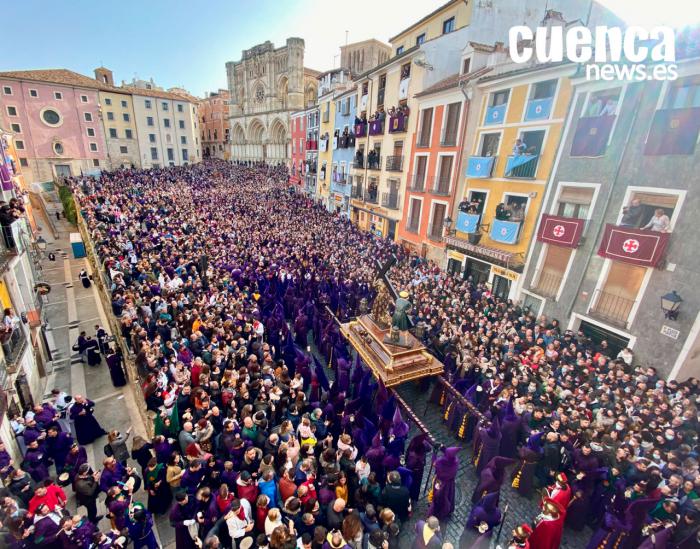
point(87, 429)
point(375, 454)
point(47, 525)
point(77, 455)
point(523, 476)
point(511, 429)
point(58, 444)
point(36, 462)
point(443, 492)
point(182, 514)
point(488, 444)
point(6, 462)
point(117, 503)
point(140, 527)
point(76, 532)
point(491, 478)
point(628, 529)
point(116, 368)
point(415, 461)
point(45, 415)
point(486, 510)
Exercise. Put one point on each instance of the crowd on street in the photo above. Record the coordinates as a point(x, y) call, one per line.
point(221, 277)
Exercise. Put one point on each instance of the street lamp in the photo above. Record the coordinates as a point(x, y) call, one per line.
point(670, 305)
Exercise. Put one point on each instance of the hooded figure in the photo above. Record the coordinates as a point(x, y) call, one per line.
point(510, 432)
point(375, 454)
point(485, 511)
point(491, 478)
point(415, 461)
point(524, 473)
point(488, 445)
point(443, 496)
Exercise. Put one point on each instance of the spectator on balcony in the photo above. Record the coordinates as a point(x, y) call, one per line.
point(609, 108)
point(10, 319)
point(519, 148)
point(503, 212)
point(373, 159)
point(359, 157)
point(659, 223)
point(632, 214)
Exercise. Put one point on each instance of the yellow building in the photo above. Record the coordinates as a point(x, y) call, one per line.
point(119, 123)
point(517, 116)
point(387, 106)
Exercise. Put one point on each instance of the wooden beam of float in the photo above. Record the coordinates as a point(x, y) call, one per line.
point(454, 393)
point(414, 418)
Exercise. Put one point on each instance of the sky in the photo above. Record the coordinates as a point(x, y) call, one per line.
point(185, 43)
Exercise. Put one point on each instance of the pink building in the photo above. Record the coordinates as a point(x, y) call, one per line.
point(54, 116)
point(297, 167)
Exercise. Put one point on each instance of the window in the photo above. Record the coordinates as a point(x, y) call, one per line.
point(7, 90)
point(166, 122)
point(551, 274)
point(19, 144)
point(57, 95)
point(23, 162)
point(95, 162)
point(442, 185)
point(83, 98)
point(185, 155)
point(420, 39)
point(646, 204)
point(124, 104)
point(110, 115)
point(149, 120)
point(152, 137)
point(478, 199)
point(12, 111)
point(421, 170)
point(88, 116)
point(123, 149)
point(58, 148)
point(128, 134)
point(91, 132)
point(164, 105)
point(51, 117)
point(543, 90)
point(154, 153)
point(33, 93)
point(575, 201)
point(113, 133)
point(93, 147)
point(125, 117)
point(183, 140)
point(425, 127)
point(108, 101)
point(414, 216)
point(499, 98)
point(615, 300)
point(595, 127)
point(180, 107)
point(684, 94)
point(171, 154)
point(448, 25)
point(517, 206)
point(466, 64)
point(399, 50)
point(676, 126)
point(450, 130)
point(17, 128)
point(438, 218)
point(182, 124)
point(147, 103)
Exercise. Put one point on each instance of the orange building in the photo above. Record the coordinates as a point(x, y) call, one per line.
point(214, 124)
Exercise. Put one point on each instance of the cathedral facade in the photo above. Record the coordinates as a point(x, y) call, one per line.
point(266, 85)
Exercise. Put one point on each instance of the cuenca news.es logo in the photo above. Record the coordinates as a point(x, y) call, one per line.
point(609, 53)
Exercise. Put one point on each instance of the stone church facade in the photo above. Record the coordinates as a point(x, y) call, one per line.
point(266, 85)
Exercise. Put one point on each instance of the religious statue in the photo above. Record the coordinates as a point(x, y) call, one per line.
point(380, 306)
point(401, 308)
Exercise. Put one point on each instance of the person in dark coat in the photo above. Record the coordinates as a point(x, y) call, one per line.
point(86, 489)
point(84, 278)
point(181, 516)
point(140, 526)
point(87, 428)
point(92, 350)
point(396, 497)
point(415, 461)
point(159, 496)
point(116, 367)
point(36, 461)
point(427, 534)
point(510, 432)
point(46, 526)
point(443, 500)
point(58, 444)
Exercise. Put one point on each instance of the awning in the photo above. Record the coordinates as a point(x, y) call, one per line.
point(561, 231)
point(492, 255)
point(636, 246)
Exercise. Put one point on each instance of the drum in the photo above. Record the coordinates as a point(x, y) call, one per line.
point(63, 479)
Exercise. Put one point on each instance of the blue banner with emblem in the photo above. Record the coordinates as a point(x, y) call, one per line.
point(480, 166)
point(539, 109)
point(467, 223)
point(495, 115)
point(505, 231)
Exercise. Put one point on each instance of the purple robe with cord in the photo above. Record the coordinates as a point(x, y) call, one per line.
point(491, 478)
point(488, 446)
point(486, 510)
point(446, 466)
point(415, 461)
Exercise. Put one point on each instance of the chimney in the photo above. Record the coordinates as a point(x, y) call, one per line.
point(104, 76)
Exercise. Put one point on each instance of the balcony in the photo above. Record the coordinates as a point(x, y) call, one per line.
point(495, 115)
point(612, 308)
point(374, 162)
point(357, 192)
point(390, 200)
point(311, 145)
point(548, 284)
point(480, 166)
point(398, 123)
point(435, 232)
point(522, 166)
point(343, 141)
point(394, 163)
point(539, 109)
point(372, 196)
point(376, 127)
point(423, 140)
point(360, 129)
point(441, 186)
point(13, 345)
point(358, 163)
point(340, 185)
point(417, 182)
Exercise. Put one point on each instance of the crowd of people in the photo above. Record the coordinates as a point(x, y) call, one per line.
point(221, 279)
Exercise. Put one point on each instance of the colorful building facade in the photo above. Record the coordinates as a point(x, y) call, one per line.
point(343, 151)
point(297, 166)
point(313, 120)
point(214, 129)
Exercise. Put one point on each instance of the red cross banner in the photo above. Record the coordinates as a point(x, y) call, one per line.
point(636, 246)
point(561, 231)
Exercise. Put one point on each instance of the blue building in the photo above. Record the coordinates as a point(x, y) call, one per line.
point(343, 151)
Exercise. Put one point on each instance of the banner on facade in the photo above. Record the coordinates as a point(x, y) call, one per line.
point(467, 223)
point(505, 231)
point(636, 246)
point(561, 231)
